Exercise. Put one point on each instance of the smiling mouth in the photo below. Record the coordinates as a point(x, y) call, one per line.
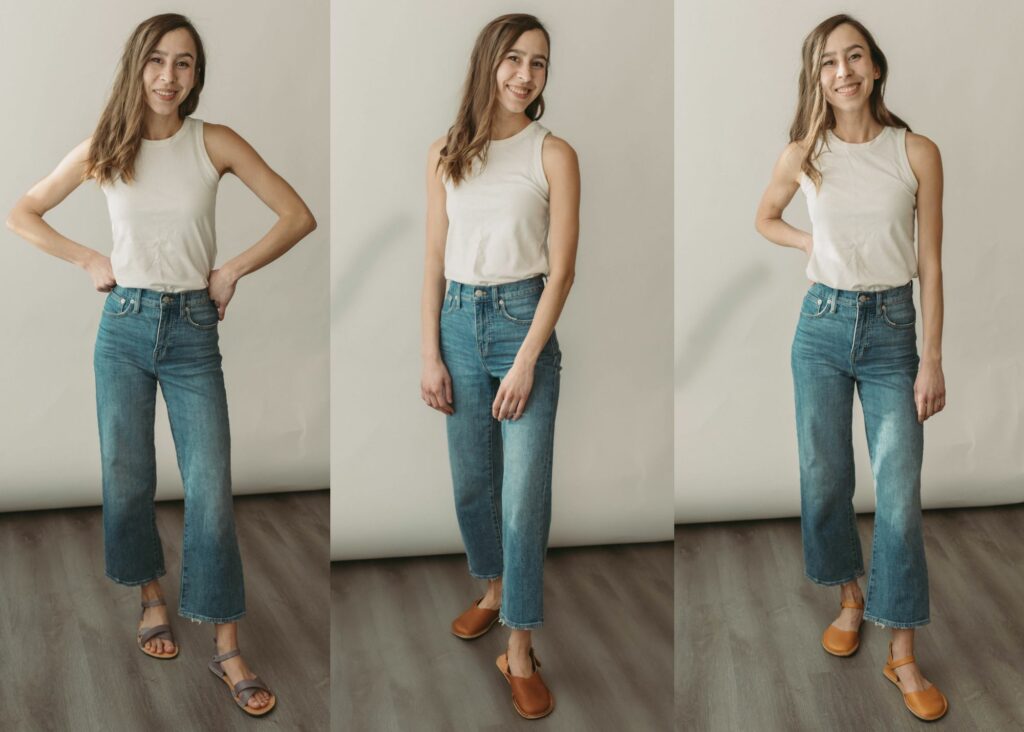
point(165, 94)
point(848, 90)
point(520, 92)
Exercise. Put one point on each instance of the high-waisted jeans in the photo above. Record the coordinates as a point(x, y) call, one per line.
point(148, 338)
point(501, 470)
point(865, 340)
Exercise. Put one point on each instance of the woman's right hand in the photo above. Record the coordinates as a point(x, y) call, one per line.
point(102, 274)
point(436, 386)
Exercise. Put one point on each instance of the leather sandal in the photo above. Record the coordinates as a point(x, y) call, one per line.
point(244, 689)
point(161, 632)
point(474, 622)
point(530, 696)
point(841, 642)
point(929, 704)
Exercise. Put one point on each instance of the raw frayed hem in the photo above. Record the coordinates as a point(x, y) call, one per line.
point(832, 583)
point(890, 625)
point(196, 618)
point(519, 626)
point(474, 575)
point(135, 583)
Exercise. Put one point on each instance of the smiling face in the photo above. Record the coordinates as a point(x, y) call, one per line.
point(169, 72)
point(847, 72)
point(523, 72)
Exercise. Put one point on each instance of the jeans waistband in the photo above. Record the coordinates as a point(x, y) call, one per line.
point(852, 298)
point(140, 297)
point(506, 291)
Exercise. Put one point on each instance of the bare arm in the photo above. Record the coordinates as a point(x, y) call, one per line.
point(436, 383)
point(780, 191)
point(930, 386)
point(231, 154)
point(26, 218)
point(561, 167)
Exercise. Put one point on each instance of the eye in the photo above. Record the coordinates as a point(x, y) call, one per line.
point(513, 58)
point(854, 56)
point(828, 62)
point(183, 64)
point(156, 59)
point(539, 64)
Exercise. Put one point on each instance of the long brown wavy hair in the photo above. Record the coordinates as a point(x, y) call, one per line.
point(814, 115)
point(118, 135)
point(470, 136)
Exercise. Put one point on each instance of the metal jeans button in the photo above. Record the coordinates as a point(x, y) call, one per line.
point(166, 299)
point(863, 298)
point(480, 293)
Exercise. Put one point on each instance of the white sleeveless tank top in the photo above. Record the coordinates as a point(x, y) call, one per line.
point(498, 215)
point(862, 217)
point(163, 221)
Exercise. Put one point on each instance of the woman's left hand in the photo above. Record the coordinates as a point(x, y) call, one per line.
point(513, 392)
point(929, 390)
point(221, 287)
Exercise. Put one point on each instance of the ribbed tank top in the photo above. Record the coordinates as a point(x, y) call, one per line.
point(862, 217)
point(498, 215)
point(163, 221)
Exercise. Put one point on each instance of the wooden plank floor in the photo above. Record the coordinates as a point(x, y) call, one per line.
point(606, 646)
point(748, 627)
point(67, 633)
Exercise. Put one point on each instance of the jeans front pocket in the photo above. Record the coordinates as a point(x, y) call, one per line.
point(116, 306)
point(202, 316)
point(899, 315)
point(813, 306)
point(519, 309)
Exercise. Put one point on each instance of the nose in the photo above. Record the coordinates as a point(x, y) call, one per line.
point(168, 72)
point(525, 72)
point(842, 68)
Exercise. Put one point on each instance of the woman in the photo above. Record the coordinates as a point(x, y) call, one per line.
point(502, 216)
point(864, 174)
point(159, 169)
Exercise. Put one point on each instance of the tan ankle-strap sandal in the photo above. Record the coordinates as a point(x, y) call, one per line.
point(929, 704)
point(840, 642)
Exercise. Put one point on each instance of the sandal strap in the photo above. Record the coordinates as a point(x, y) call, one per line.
point(245, 688)
point(902, 662)
point(156, 602)
point(226, 656)
point(147, 634)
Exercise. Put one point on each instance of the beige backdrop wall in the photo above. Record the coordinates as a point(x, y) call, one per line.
point(397, 72)
point(267, 79)
point(952, 78)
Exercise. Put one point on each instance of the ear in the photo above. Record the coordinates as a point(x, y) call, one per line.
point(878, 73)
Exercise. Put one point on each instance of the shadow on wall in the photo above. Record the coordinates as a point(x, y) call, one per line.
point(730, 300)
point(368, 253)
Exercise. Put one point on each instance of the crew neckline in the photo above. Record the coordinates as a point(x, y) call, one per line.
point(513, 137)
point(168, 140)
point(833, 138)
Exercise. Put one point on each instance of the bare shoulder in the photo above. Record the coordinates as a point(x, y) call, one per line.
point(219, 137)
point(434, 152)
point(791, 161)
point(925, 161)
point(558, 151)
point(922, 148)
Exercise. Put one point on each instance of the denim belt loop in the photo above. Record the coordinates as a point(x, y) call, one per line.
point(458, 294)
point(182, 300)
point(835, 299)
point(494, 296)
point(879, 303)
point(135, 295)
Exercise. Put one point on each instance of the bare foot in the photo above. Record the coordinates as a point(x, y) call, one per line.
point(236, 669)
point(518, 654)
point(910, 676)
point(492, 599)
point(154, 616)
point(850, 618)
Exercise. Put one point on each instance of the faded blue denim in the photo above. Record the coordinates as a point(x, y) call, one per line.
point(867, 341)
point(501, 470)
point(148, 338)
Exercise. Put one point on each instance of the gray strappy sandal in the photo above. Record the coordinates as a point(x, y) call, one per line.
point(244, 689)
point(162, 632)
